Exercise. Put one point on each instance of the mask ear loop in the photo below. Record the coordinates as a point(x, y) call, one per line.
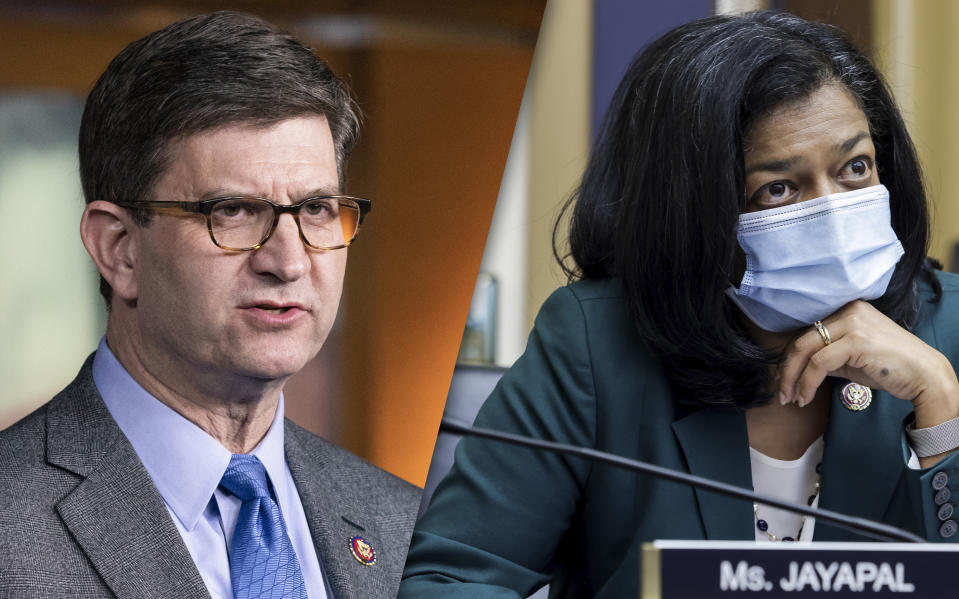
point(740, 262)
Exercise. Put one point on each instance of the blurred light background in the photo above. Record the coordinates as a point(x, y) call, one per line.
point(440, 83)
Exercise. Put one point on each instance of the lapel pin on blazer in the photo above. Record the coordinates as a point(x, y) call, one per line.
point(856, 397)
point(362, 551)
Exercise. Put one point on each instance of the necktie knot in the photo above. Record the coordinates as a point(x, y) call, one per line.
point(245, 477)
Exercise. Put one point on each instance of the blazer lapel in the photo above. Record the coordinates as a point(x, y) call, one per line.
point(716, 446)
point(115, 514)
point(862, 460)
point(335, 516)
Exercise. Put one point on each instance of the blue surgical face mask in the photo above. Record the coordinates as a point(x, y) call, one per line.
point(804, 261)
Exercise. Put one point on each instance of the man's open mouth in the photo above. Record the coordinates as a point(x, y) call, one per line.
point(274, 309)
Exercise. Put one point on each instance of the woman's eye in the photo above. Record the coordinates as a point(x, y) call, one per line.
point(771, 194)
point(857, 168)
point(777, 190)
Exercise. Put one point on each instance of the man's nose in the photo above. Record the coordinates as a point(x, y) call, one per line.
point(283, 255)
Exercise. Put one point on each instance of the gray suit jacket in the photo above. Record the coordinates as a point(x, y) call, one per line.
point(80, 516)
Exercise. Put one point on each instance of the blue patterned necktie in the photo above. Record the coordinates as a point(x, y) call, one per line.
point(263, 564)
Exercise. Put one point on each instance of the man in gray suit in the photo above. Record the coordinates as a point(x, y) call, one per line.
point(212, 155)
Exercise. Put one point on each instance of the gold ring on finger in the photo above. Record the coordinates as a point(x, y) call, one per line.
point(823, 332)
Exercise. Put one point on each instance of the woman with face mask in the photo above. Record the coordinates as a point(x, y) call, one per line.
point(751, 302)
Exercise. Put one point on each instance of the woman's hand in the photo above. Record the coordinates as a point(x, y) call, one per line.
point(868, 348)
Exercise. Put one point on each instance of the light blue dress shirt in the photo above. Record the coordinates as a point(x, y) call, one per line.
point(186, 465)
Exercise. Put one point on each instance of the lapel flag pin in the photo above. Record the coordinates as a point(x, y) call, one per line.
point(856, 397)
point(362, 551)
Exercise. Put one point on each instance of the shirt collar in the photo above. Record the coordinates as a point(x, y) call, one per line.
point(185, 463)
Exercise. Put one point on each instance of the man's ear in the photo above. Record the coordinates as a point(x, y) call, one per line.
point(110, 236)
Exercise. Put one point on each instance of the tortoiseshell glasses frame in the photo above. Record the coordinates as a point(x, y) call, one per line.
point(245, 223)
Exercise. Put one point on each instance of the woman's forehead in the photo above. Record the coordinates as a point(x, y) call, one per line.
point(826, 120)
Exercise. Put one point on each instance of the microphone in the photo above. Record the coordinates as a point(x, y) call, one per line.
point(876, 530)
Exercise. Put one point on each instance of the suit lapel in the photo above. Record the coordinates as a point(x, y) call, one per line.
point(335, 516)
point(862, 451)
point(862, 460)
point(715, 445)
point(115, 514)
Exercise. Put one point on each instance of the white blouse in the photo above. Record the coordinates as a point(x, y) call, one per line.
point(790, 480)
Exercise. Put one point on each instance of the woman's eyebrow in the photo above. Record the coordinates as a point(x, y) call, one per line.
point(850, 143)
point(776, 166)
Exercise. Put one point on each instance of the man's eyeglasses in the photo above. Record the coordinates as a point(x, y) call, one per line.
point(246, 223)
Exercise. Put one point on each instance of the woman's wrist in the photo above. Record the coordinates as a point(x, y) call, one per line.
point(938, 402)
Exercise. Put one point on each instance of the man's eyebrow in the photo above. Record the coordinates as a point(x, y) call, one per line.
point(329, 190)
point(776, 166)
point(223, 192)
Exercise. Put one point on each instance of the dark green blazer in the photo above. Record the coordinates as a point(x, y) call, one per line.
point(507, 520)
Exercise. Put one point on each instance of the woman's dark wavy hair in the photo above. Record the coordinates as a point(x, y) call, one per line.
point(662, 192)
